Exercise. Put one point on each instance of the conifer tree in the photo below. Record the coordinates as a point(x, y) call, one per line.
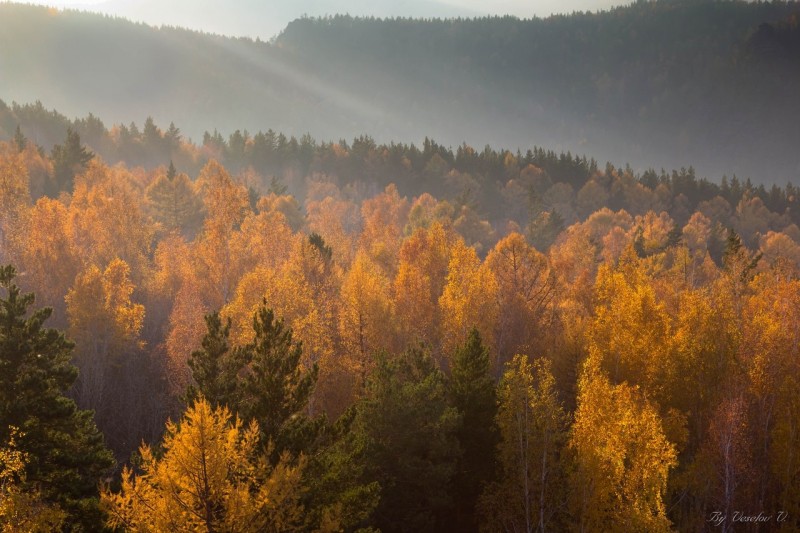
point(473, 394)
point(736, 259)
point(275, 389)
point(263, 380)
point(214, 366)
point(171, 172)
point(65, 453)
point(68, 159)
point(19, 139)
point(22, 508)
point(210, 478)
point(414, 467)
point(339, 496)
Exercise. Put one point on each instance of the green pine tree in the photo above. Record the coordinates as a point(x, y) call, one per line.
point(473, 394)
point(338, 495)
point(67, 457)
point(545, 228)
point(19, 139)
point(171, 172)
point(263, 380)
point(405, 433)
point(215, 366)
point(674, 236)
point(276, 389)
point(738, 260)
point(68, 159)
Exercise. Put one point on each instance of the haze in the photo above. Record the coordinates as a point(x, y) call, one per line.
point(655, 84)
point(264, 20)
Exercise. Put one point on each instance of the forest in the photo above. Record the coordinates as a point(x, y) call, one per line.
point(265, 333)
point(669, 83)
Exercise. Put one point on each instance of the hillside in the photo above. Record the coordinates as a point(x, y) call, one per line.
point(264, 20)
point(709, 84)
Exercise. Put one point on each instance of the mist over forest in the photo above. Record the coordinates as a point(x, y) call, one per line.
point(654, 84)
point(401, 274)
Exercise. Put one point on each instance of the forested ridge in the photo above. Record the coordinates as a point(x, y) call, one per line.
point(353, 335)
point(667, 83)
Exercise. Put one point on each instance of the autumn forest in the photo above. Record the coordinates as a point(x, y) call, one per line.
point(410, 339)
point(270, 332)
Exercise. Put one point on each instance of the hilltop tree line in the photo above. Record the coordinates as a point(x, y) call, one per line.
point(711, 83)
point(498, 341)
point(540, 190)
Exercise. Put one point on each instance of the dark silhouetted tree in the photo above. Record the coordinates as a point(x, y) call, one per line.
point(65, 451)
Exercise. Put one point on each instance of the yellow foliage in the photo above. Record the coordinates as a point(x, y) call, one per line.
point(14, 198)
point(49, 243)
point(622, 457)
point(337, 221)
point(265, 239)
point(106, 220)
point(211, 477)
point(186, 329)
point(421, 276)
point(469, 299)
point(219, 255)
point(533, 428)
point(365, 315)
point(384, 218)
point(526, 286)
point(631, 333)
point(100, 309)
point(22, 508)
point(284, 204)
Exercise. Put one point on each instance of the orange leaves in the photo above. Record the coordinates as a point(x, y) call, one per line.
point(770, 353)
point(101, 314)
point(265, 239)
point(210, 477)
point(106, 220)
point(365, 293)
point(631, 331)
point(469, 298)
point(681, 355)
point(284, 204)
point(338, 222)
point(226, 202)
point(365, 315)
point(14, 197)
point(174, 203)
point(521, 271)
point(217, 256)
point(424, 259)
point(49, 243)
point(525, 288)
point(623, 458)
point(186, 329)
point(384, 219)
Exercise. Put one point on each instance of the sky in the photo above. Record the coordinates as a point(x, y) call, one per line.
point(266, 18)
point(520, 8)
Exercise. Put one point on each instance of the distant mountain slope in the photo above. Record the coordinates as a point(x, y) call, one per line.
point(713, 84)
point(257, 18)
